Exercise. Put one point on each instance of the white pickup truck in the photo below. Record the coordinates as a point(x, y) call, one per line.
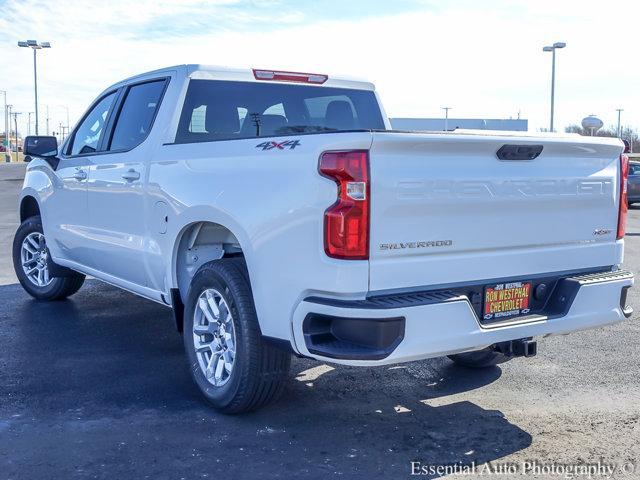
point(277, 213)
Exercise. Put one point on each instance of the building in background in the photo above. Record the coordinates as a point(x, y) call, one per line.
point(435, 124)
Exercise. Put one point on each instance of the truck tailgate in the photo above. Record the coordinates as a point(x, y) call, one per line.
point(446, 210)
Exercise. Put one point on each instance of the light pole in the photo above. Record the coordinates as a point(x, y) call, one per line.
point(619, 110)
point(446, 117)
point(35, 46)
point(553, 49)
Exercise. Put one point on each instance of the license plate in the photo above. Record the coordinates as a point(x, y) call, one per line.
point(506, 300)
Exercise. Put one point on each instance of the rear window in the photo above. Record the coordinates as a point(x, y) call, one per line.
point(222, 110)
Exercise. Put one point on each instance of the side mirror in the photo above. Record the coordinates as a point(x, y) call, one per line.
point(40, 146)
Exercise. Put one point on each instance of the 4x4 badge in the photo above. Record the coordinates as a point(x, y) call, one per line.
point(290, 144)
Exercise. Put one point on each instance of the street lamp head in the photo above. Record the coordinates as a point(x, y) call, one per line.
point(34, 44)
point(547, 49)
point(559, 45)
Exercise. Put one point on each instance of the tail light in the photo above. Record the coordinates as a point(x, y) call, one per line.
point(346, 222)
point(624, 206)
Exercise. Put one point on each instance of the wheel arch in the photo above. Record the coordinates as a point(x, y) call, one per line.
point(29, 207)
point(199, 242)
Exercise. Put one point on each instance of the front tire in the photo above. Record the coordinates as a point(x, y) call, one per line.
point(31, 263)
point(234, 368)
point(485, 358)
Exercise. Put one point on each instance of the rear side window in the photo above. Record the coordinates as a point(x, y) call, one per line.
point(136, 115)
point(223, 110)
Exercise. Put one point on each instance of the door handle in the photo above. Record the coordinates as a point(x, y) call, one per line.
point(131, 175)
point(79, 175)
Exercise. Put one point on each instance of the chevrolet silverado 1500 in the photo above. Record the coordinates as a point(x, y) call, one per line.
point(277, 213)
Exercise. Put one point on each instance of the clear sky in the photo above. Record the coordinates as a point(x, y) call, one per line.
point(483, 58)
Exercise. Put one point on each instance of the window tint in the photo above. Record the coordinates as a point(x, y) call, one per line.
point(136, 115)
point(220, 110)
point(635, 169)
point(87, 135)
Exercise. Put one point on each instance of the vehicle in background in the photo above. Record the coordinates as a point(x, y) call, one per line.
point(277, 213)
point(633, 184)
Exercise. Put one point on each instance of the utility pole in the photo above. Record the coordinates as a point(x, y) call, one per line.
point(446, 117)
point(47, 120)
point(9, 107)
point(29, 123)
point(67, 109)
point(7, 127)
point(6, 118)
point(35, 46)
point(619, 110)
point(15, 123)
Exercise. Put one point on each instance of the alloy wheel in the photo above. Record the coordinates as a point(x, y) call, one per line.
point(214, 337)
point(34, 255)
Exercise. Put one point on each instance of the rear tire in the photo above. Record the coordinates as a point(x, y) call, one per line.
point(31, 263)
point(234, 368)
point(485, 358)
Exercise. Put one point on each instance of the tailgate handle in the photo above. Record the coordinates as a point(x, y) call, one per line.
point(519, 152)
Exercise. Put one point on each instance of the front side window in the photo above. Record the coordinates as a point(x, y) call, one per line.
point(87, 137)
point(223, 110)
point(136, 115)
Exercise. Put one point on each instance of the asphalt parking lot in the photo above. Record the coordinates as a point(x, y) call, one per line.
point(98, 387)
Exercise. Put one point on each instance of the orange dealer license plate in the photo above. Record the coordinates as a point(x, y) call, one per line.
point(506, 300)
